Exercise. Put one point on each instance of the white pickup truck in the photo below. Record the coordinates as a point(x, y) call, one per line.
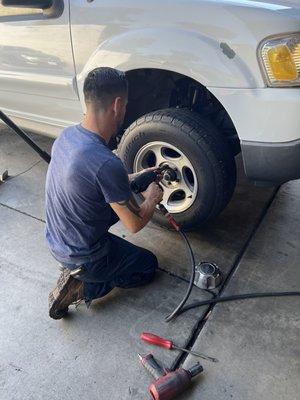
point(207, 79)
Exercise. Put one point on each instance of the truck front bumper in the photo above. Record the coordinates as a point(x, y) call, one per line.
point(267, 121)
point(271, 163)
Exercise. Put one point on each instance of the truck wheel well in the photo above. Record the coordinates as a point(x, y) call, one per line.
point(155, 89)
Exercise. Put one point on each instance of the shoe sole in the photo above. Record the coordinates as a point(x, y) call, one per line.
point(57, 295)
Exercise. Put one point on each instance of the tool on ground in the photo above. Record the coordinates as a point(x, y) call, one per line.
point(168, 384)
point(3, 176)
point(152, 366)
point(208, 275)
point(168, 344)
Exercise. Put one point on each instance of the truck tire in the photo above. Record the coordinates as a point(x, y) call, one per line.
point(204, 164)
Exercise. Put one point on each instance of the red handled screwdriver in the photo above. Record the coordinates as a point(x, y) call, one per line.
point(168, 344)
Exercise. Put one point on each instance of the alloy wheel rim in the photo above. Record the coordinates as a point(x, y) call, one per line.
point(180, 194)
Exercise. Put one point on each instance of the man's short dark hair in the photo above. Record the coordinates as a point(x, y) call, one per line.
point(102, 85)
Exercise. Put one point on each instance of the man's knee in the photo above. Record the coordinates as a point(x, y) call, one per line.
point(143, 273)
point(149, 267)
point(150, 262)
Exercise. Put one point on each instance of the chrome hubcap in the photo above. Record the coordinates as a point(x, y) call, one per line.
point(180, 193)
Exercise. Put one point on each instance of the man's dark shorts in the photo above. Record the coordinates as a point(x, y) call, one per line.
point(125, 266)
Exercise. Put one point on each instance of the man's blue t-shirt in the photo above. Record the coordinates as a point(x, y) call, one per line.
point(83, 177)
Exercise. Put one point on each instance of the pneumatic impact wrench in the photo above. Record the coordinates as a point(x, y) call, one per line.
point(141, 182)
point(168, 384)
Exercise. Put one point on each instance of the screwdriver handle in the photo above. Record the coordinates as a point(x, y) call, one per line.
point(156, 340)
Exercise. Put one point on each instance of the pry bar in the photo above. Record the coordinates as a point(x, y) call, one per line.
point(45, 156)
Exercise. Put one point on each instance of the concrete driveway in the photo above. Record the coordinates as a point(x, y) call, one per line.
point(93, 353)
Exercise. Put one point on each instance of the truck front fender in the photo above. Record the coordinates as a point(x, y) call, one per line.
point(189, 53)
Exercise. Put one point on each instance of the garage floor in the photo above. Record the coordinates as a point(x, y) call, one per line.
point(93, 353)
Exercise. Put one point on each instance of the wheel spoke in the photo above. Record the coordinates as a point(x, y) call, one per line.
point(158, 155)
point(182, 185)
point(181, 164)
point(167, 194)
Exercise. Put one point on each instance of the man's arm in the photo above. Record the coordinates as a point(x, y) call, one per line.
point(112, 180)
point(135, 217)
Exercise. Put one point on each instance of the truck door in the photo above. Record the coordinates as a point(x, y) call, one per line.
point(37, 76)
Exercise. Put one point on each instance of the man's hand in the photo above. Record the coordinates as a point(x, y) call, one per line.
point(135, 217)
point(153, 193)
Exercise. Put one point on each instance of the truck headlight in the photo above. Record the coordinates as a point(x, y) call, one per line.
point(280, 60)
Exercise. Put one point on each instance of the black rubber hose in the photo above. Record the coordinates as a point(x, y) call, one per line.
point(234, 298)
point(178, 309)
point(181, 308)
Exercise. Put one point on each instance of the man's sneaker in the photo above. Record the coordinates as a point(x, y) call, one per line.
point(67, 291)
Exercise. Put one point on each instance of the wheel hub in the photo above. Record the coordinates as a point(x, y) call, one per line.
point(170, 175)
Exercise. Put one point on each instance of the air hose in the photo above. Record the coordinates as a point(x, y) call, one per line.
point(235, 297)
point(172, 222)
point(181, 308)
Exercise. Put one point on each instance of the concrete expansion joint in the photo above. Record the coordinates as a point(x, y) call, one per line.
point(173, 275)
point(22, 212)
point(202, 321)
point(26, 170)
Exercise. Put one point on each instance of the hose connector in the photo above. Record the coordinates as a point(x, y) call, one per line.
point(169, 217)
